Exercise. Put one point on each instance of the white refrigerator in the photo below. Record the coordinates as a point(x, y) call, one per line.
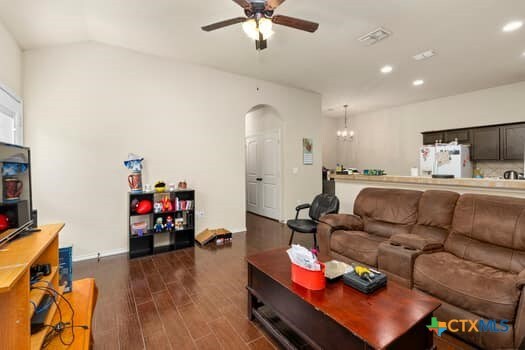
point(445, 159)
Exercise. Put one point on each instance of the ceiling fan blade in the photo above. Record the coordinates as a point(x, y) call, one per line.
point(273, 4)
point(223, 24)
point(245, 4)
point(296, 23)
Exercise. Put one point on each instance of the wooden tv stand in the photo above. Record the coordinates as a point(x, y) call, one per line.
point(16, 296)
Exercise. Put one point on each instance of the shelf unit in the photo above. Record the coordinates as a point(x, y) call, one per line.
point(17, 297)
point(151, 242)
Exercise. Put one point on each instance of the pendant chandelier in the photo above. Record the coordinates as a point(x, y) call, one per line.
point(345, 134)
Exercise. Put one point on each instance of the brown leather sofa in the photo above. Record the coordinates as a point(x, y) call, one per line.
point(467, 251)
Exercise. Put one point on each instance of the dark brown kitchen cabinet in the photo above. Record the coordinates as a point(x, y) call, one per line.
point(462, 135)
point(486, 143)
point(432, 137)
point(513, 141)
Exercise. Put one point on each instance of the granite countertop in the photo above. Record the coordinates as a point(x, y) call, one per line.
point(422, 180)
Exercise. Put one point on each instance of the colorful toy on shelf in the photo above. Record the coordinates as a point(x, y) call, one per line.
point(159, 226)
point(167, 205)
point(169, 224)
point(182, 185)
point(13, 169)
point(160, 186)
point(139, 228)
point(144, 207)
point(134, 163)
point(158, 207)
point(179, 224)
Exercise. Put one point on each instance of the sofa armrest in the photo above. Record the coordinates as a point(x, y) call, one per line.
point(519, 322)
point(333, 222)
point(416, 242)
point(520, 281)
point(342, 222)
point(397, 262)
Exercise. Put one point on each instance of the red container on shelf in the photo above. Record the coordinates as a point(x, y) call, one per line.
point(313, 280)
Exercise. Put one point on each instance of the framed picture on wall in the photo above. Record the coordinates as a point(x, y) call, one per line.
point(308, 151)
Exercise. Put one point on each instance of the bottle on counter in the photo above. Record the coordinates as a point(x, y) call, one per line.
point(477, 173)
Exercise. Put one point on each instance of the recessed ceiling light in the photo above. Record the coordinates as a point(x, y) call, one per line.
point(512, 26)
point(387, 69)
point(418, 82)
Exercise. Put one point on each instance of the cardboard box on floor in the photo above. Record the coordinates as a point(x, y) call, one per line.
point(209, 235)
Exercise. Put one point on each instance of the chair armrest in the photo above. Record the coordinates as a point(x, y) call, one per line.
point(415, 242)
point(301, 207)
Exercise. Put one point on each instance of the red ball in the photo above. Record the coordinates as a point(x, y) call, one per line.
point(4, 222)
point(144, 207)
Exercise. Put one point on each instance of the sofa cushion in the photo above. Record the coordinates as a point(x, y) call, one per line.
point(387, 211)
point(356, 245)
point(416, 242)
point(435, 213)
point(489, 230)
point(436, 208)
point(481, 289)
point(485, 340)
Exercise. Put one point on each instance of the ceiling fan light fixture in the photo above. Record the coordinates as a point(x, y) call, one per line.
point(265, 27)
point(250, 28)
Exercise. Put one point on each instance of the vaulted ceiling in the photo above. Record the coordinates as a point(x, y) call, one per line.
point(472, 51)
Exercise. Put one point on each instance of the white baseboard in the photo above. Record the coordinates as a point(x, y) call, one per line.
point(239, 230)
point(123, 250)
point(102, 254)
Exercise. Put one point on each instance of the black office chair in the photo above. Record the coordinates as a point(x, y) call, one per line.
point(323, 204)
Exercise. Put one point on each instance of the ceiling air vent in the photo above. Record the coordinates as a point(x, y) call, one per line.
point(375, 36)
point(424, 55)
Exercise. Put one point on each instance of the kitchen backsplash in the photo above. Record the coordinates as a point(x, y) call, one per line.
point(497, 168)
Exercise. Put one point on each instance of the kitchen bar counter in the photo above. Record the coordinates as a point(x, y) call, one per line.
point(421, 180)
point(347, 187)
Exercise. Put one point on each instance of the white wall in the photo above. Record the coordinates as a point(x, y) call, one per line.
point(329, 127)
point(390, 138)
point(261, 119)
point(10, 62)
point(88, 105)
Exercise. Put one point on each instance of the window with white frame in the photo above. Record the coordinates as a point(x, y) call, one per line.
point(11, 127)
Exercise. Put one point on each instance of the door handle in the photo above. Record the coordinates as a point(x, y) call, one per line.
point(259, 179)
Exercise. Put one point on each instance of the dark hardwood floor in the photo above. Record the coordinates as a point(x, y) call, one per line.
point(188, 299)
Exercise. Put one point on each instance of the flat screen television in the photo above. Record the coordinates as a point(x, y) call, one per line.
point(15, 197)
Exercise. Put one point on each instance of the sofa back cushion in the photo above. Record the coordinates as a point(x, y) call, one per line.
point(387, 211)
point(435, 213)
point(489, 230)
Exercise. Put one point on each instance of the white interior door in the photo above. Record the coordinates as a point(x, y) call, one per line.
point(252, 186)
point(263, 175)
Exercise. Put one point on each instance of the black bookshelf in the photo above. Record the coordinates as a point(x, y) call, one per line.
point(151, 242)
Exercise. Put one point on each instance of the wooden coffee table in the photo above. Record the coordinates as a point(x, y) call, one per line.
point(338, 317)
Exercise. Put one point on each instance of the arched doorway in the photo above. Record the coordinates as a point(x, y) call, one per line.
point(263, 133)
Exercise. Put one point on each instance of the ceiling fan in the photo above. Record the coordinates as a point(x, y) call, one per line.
point(259, 19)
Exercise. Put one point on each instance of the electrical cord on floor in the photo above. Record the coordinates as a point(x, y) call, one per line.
point(61, 326)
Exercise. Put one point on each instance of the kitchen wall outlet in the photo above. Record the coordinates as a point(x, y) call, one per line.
point(200, 214)
point(295, 171)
